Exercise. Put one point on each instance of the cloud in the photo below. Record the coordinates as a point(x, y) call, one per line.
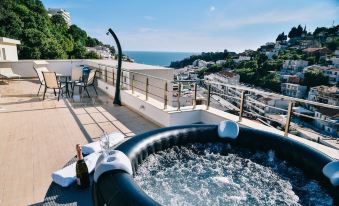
point(272, 17)
point(151, 39)
point(150, 18)
point(147, 30)
point(212, 8)
point(210, 35)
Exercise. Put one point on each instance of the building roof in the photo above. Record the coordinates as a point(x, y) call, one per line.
point(328, 112)
point(333, 69)
point(4, 40)
point(312, 50)
point(292, 84)
point(302, 110)
point(227, 74)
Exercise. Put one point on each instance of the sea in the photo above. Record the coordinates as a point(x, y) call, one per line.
point(157, 58)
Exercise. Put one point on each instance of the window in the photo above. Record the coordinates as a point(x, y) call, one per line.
point(0, 55)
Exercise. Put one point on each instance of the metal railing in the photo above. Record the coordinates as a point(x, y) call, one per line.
point(137, 82)
point(240, 100)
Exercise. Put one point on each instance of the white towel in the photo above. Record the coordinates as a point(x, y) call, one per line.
point(66, 176)
point(114, 139)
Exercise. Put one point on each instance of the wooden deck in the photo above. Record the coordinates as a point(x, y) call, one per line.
point(38, 137)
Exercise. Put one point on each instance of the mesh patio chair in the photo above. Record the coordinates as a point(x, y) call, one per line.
point(40, 76)
point(76, 76)
point(51, 82)
point(89, 82)
point(8, 74)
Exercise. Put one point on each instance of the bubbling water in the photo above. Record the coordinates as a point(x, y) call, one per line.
point(216, 174)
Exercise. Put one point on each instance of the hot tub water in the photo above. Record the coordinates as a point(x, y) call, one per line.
point(218, 174)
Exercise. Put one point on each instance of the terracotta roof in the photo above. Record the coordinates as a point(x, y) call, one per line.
point(333, 89)
point(311, 50)
point(333, 69)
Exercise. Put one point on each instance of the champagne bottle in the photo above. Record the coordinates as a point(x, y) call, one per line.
point(81, 169)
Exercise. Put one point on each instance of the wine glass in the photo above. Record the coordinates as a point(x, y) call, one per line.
point(104, 143)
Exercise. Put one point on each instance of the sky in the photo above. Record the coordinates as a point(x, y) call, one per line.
point(196, 25)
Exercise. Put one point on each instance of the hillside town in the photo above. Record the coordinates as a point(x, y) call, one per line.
point(305, 66)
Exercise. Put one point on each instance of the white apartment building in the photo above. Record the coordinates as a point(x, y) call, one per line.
point(324, 94)
point(331, 72)
point(259, 105)
point(103, 52)
point(336, 53)
point(242, 58)
point(65, 14)
point(220, 62)
point(335, 61)
point(327, 120)
point(8, 49)
point(199, 63)
point(333, 75)
point(294, 66)
point(293, 90)
point(275, 51)
point(224, 77)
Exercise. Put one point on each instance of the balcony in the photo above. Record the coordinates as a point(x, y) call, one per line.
point(34, 131)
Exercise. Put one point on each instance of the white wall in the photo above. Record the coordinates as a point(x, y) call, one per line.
point(151, 111)
point(25, 67)
point(10, 51)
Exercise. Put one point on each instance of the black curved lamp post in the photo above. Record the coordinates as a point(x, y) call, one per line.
point(117, 87)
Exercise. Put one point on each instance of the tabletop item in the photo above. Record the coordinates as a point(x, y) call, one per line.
point(113, 138)
point(67, 175)
point(81, 169)
point(104, 143)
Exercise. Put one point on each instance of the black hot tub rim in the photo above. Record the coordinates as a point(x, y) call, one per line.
point(127, 192)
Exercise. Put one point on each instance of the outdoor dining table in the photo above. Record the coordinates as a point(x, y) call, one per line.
point(66, 81)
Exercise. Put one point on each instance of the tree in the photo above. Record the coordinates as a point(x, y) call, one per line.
point(59, 23)
point(91, 55)
point(78, 52)
point(333, 45)
point(93, 42)
point(281, 37)
point(11, 25)
point(34, 42)
point(261, 58)
point(111, 48)
point(296, 32)
point(53, 50)
point(299, 31)
point(319, 30)
point(247, 75)
point(314, 78)
point(41, 36)
point(206, 56)
point(57, 19)
point(271, 81)
point(292, 33)
point(78, 34)
point(304, 32)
